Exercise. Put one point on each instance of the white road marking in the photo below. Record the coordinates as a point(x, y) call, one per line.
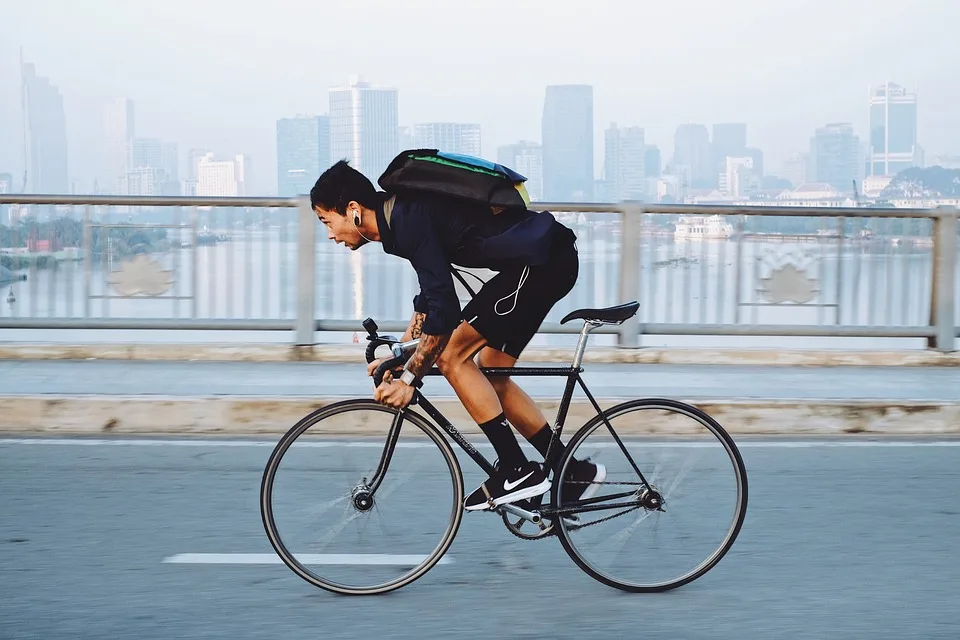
point(406, 560)
point(894, 442)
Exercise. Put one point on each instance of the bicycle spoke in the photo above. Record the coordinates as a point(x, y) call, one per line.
point(419, 487)
point(705, 479)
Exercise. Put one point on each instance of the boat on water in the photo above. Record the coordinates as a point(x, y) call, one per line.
point(702, 228)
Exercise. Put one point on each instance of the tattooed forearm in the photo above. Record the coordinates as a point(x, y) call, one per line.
point(415, 328)
point(427, 352)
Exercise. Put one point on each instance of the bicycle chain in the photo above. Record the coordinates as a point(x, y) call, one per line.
point(560, 512)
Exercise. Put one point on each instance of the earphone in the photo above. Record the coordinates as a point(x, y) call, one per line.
point(356, 223)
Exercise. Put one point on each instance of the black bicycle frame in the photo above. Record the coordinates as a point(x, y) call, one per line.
point(572, 374)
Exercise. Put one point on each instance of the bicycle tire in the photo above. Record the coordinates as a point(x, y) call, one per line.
point(671, 405)
point(315, 417)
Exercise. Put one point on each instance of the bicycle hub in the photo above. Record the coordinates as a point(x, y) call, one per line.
point(651, 500)
point(362, 499)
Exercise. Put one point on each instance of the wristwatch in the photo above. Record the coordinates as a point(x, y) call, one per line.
point(408, 378)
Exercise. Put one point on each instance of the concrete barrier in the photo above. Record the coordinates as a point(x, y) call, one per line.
point(246, 415)
point(354, 353)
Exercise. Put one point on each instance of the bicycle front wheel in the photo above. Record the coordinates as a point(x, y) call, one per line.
point(673, 475)
point(337, 524)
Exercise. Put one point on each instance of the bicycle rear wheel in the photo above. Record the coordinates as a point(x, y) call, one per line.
point(671, 471)
point(334, 526)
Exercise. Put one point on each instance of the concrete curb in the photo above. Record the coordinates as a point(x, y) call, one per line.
point(354, 353)
point(246, 415)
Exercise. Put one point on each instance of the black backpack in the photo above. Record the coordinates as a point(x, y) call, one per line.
point(453, 174)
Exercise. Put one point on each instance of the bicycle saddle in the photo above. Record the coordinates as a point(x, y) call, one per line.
point(616, 314)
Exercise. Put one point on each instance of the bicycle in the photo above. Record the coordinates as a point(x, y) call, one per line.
point(361, 492)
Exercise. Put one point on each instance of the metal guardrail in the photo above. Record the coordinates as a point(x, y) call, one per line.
point(697, 269)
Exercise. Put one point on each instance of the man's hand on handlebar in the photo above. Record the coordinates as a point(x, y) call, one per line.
point(372, 367)
point(393, 393)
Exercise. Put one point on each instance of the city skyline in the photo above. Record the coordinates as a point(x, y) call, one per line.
point(365, 130)
point(651, 65)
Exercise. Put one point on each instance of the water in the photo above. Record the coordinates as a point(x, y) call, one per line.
point(875, 283)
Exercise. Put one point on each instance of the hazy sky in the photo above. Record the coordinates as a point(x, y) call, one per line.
point(212, 73)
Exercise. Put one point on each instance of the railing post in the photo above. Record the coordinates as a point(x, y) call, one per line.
point(944, 287)
point(306, 272)
point(631, 218)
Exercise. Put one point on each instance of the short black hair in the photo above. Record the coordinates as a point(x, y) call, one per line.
point(340, 184)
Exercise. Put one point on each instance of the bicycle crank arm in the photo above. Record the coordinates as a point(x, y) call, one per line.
point(532, 516)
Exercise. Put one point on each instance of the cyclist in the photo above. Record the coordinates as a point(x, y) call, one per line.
point(537, 264)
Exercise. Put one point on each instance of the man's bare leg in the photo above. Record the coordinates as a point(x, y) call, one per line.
point(473, 388)
point(477, 393)
point(520, 409)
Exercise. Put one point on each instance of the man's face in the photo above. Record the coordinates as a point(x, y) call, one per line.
point(340, 228)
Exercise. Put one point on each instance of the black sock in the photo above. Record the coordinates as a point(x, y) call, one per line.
point(541, 440)
point(504, 442)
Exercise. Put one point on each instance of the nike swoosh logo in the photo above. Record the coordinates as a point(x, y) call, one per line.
point(510, 485)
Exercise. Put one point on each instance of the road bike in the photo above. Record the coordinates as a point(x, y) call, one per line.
point(309, 481)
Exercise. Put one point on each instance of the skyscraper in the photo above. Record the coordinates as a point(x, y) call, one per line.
point(652, 161)
point(567, 134)
point(303, 153)
point(692, 156)
point(729, 138)
point(729, 141)
point(453, 137)
point(364, 126)
point(222, 177)
point(119, 132)
point(835, 155)
point(893, 130)
point(624, 163)
point(47, 133)
point(526, 158)
point(152, 169)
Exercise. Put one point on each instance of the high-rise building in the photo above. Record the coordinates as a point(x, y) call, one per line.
point(222, 177)
point(406, 139)
point(624, 159)
point(147, 152)
point(170, 161)
point(47, 133)
point(119, 132)
point(364, 126)
point(692, 156)
point(893, 131)
point(453, 137)
point(652, 162)
point(795, 169)
point(526, 158)
point(757, 156)
point(567, 135)
point(152, 169)
point(303, 153)
point(729, 140)
point(835, 155)
point(738, 178)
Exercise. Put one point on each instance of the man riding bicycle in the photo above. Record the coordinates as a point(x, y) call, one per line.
point(536, 261)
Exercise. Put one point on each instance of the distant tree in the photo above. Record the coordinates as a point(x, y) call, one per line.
point(929, 182)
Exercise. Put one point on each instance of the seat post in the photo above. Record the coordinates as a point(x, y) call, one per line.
point(588, 326)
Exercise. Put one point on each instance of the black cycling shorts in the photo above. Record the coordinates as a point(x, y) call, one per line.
point(510, 307)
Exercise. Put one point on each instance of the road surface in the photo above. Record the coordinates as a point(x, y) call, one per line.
point(843, 539)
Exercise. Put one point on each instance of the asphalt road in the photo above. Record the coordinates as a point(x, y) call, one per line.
point(843, 539)
point(98, 377)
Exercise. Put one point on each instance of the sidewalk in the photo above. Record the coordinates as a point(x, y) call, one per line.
point(239, 398)
point(626, 381)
